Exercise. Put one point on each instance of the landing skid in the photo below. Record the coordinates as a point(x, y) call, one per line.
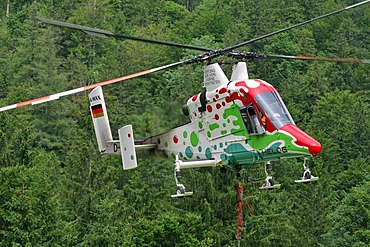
point(271, 187)
point(269, 182)
point(182, 195)
point(307, 180)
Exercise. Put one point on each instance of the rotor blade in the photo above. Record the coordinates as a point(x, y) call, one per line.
point(105, 33)
point(81, 89)
point(329, 59)
point(225, 50)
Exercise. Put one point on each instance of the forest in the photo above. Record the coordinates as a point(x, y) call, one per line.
point(56, 189)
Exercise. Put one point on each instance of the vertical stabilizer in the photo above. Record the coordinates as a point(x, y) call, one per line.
point(126, 138)
point(214, 77)
point(100, 118)
point(240, 72)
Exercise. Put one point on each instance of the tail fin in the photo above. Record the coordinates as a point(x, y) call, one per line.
point(125, 145)
point(100, 118)
point(126, 138)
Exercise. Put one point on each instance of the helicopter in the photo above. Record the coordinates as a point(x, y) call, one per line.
point(234, 122)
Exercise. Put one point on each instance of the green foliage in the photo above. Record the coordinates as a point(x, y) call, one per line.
point(56, 190)
point(350, 219)
point(31, 211)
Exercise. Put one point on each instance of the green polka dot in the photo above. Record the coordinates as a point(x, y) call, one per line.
point(214, 126)
point(164, 154)
point(194, 139)
point(185, 134)
point(166, 144)
point(189, 152)
point(200, 125)
point(209, 134)
point(208, 153)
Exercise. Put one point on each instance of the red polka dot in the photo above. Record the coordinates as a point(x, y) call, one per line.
point(222, 90)
point(217, 117)
point(218, 106)
point(129, 135)
point(175, 139)
point(209, 108)
point(195, 97)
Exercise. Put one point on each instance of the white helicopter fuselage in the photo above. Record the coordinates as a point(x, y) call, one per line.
point(234, 122)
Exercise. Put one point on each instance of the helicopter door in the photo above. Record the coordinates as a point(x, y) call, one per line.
point(252, 120)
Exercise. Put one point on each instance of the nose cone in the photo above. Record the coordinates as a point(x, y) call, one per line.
point(314, 148)
point(303, 139)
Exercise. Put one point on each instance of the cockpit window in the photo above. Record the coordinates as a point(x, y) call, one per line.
point(274, 108)
point(252, 120)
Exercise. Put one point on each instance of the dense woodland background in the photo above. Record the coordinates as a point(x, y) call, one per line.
point(57, 190)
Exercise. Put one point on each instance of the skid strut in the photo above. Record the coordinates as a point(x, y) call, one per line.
point(307, 176)
point(269, 182)
point(179, 164)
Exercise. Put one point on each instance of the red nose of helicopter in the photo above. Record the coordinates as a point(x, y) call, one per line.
point(303, 139)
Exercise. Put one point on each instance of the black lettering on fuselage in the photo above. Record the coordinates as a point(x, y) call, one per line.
point(95, 98)
point(270, 151)
point(115, 147)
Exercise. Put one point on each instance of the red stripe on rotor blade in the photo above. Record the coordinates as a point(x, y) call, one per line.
point(330, 59)
point(123, 78)
point(29, 102)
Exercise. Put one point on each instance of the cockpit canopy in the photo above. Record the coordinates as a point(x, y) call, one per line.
point(274, 108)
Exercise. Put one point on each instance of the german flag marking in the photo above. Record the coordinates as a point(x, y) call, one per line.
point(97, 111)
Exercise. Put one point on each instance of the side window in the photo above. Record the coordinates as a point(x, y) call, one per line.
point(252, 120)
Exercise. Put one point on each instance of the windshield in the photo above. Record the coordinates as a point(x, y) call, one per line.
point(274, 108)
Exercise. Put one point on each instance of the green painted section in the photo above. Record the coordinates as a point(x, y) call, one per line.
point(238, 153)
point(262, 141)
point(233, 110)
